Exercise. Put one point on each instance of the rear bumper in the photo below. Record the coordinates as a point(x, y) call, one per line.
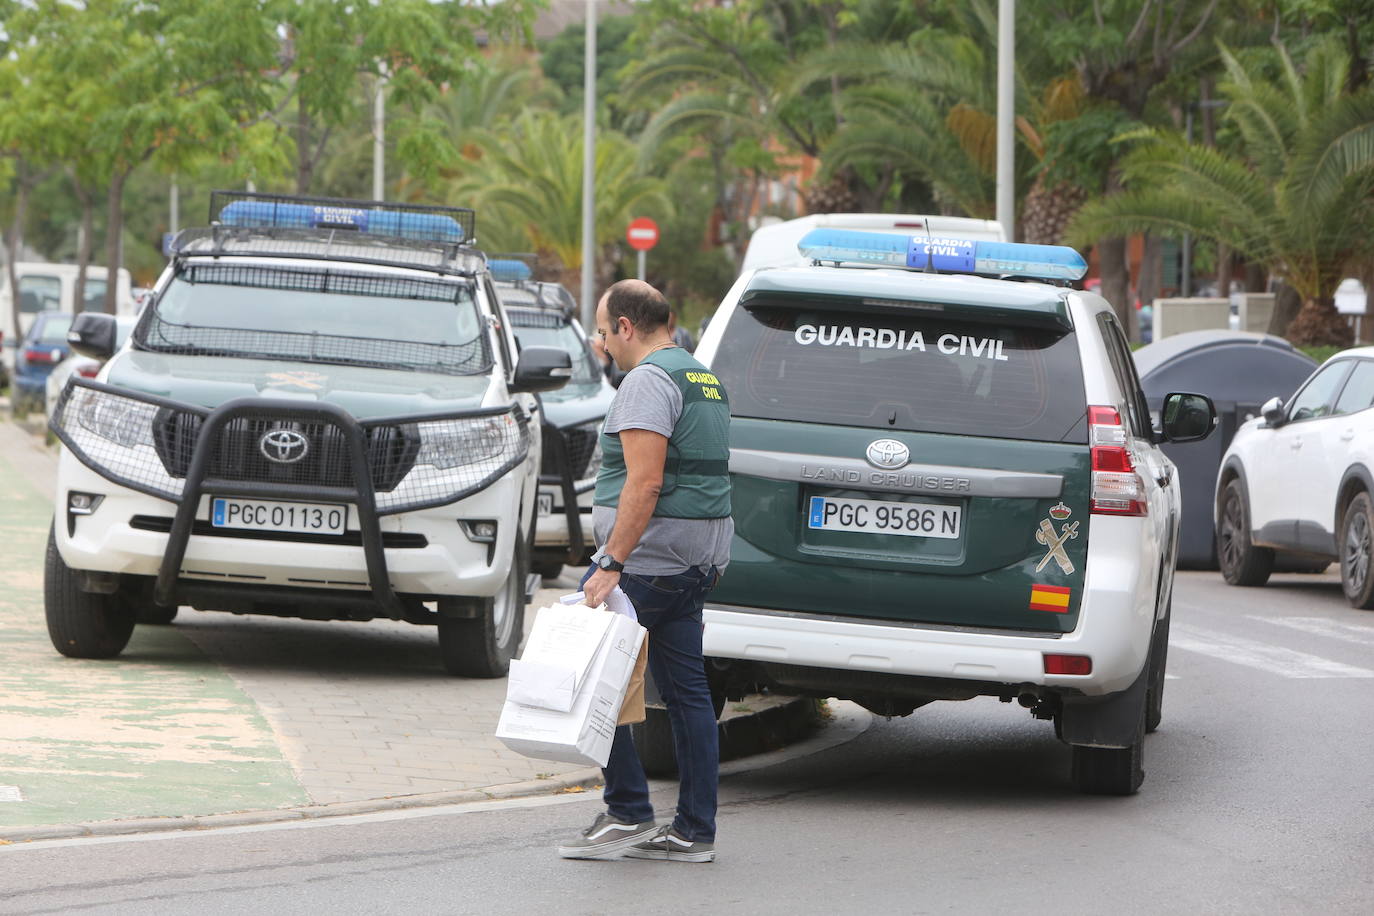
point(1116, 619)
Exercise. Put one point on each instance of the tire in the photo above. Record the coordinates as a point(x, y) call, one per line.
point(1111, 770)
point(1242, 563)
point(1159, 662)
point(548, 567)
point(82, 624)
point(1357, 552)
point(483, 645)
point(156, 615)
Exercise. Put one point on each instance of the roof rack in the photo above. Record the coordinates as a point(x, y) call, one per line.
point(333, 245)
point(437, 239)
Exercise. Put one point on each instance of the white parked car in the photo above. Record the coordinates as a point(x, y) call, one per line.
point(322, 413)
point(1296, 482)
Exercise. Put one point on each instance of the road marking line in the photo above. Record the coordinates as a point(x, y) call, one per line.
point(1321, 626)
point(10, 794)
point(1254, 654)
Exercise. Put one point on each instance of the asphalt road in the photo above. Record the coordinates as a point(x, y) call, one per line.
point(1259, 798)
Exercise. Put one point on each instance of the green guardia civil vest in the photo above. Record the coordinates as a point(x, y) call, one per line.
point(696, 476)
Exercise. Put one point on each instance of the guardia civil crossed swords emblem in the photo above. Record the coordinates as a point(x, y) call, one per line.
point(1055, 540)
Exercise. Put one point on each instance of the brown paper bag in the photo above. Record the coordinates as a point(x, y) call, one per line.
point(632, 708)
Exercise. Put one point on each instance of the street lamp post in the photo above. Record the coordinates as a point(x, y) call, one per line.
point(379, 135)
point(1006, 114)
point(589, 172)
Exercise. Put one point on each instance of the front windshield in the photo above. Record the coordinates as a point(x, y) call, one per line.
point(318, 315)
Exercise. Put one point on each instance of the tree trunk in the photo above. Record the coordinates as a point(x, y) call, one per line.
point(1286, 305)
point(1151, 270)
point(114, 228)
point(1224, 271)
point(305, 159)
point(1319, 325)
point(1116, 279)
point(83, 248)
point(12, 244)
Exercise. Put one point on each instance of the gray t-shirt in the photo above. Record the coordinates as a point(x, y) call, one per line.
point(649, 399)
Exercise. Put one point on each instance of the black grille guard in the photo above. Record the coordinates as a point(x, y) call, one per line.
point(198, 480)
point(557, 437)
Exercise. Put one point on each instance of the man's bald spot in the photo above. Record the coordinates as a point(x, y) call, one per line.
point(644, 306)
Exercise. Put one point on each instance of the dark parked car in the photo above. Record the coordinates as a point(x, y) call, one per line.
point(43, 347)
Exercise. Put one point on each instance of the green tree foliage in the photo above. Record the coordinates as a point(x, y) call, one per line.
point(526, 184)
point(1296, 193)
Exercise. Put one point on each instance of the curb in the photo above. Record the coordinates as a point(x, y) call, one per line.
point(765, 730)
point(574, 781)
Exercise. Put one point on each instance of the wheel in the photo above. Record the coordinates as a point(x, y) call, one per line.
point(1242, 563)
point(1357, 537)
point(1159, 660)
point(548, 567)
point(82, 624)
point(1111, 770)
point(156, 615)
point(483, 645)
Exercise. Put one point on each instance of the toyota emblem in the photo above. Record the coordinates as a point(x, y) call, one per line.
point(284, 446)
point(887, 454)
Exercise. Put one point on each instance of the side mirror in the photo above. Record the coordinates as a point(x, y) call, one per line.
point(541, 369)
point(1187, 417)
point(1272, 411)
point(93, 334)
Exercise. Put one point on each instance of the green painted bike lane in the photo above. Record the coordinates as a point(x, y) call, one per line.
point(159, 731)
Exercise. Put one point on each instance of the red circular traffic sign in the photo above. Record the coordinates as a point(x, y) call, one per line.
point(642, 234)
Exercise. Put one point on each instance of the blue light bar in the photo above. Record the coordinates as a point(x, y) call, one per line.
point(429, 227)
point(947, 255)
point(509, 270)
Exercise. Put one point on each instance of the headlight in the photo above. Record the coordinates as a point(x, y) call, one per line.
point(584, 434)
point(457, 458)
point(113, 435)
point(122, 421)
point(450, 443)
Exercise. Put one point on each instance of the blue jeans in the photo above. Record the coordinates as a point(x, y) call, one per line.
point(669, 607)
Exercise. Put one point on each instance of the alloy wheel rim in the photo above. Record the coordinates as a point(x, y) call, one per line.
point(1230, 528)
point(1357, 541)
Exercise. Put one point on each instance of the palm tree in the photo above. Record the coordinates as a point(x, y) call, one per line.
point(526, 181)
point(1295, 195)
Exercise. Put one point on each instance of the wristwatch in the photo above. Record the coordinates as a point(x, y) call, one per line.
point(608, 562)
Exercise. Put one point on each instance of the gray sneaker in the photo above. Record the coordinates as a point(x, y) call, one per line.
point(669, 845)
point(605, 838)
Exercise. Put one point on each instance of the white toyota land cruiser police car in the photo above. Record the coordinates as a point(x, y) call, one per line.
point(321, 414)
point(946, 485)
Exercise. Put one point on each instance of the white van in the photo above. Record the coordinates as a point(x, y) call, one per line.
point(775, 245)
point(53, 286)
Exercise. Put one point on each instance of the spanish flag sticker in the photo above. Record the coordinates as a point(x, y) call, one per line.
point(1050, 598)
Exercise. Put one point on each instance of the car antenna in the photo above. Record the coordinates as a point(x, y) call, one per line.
point(930, 257)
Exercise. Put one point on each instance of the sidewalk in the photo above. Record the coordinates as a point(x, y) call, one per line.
point(220, 713)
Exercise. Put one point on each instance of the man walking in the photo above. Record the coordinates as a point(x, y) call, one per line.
point(662, 519)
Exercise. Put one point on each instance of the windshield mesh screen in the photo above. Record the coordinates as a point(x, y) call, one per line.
point(324, 316)
point(896, 370)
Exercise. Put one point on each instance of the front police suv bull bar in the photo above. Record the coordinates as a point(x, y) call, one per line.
point(264, 448)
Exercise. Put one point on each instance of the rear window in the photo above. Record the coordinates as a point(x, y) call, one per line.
point(54, 329)
point(898, 369)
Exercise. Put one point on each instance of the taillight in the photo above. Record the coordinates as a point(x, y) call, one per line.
point(1068, 664)
point(39, 355)
point(1116, 487)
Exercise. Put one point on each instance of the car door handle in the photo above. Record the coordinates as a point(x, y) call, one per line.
point(1295, 444)
point(1347, 435)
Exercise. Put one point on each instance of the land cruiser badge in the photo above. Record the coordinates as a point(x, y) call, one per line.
point(1054, 540)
